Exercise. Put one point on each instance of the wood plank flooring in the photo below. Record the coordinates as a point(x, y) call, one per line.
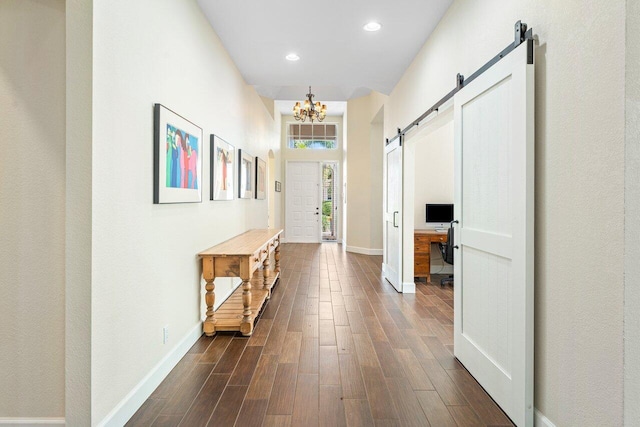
point(335, 346)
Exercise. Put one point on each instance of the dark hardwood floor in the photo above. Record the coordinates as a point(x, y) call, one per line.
point(335, 346)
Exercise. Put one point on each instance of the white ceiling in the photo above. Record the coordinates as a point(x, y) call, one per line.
point(337, 57)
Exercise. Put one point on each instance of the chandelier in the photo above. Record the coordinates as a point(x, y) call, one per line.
point(310, 110)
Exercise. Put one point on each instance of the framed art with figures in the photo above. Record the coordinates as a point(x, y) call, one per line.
point(177, 158)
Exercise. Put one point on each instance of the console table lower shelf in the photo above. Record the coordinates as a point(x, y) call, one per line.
point(229, 315)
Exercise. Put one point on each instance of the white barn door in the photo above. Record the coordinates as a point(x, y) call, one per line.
point(392, 231)
point(493, 265)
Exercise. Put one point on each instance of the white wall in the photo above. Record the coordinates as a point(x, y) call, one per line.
point(579, 182)
point(632, 219)
point(78, 214)
point(358, 237)
point(274, 165)
point(32, 208)
point(345, 169)
point(376, 148)
point(145, 271)
point(364, 194)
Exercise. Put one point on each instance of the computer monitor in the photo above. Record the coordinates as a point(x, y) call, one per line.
point(439, 215)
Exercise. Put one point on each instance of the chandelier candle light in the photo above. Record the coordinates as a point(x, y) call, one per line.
point(313, 111)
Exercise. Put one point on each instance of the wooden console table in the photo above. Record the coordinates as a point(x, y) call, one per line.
point(240, 257)
point(422, 240)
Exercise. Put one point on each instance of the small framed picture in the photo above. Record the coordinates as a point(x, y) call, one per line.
point(261, 179)
point(245, 175)
point(278, 186)
point(221, 166)
point(177, 158)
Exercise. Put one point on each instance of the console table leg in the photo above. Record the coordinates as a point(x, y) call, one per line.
point(265, 275)
point(246, 325)
point(276, 255)
point(209, 325)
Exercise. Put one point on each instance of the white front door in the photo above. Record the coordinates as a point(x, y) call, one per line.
point(493, 265)
point(392, 230)
point(303, 202)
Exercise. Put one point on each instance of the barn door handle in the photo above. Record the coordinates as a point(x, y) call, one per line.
point(455, 221)
point(395, 218)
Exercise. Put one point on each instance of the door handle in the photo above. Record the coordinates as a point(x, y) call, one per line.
point(455, 221)
point(395, 218)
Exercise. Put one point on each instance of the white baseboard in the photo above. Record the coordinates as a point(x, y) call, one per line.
point(408, 288)
point(539, 420)
point(32, 422)
point(141, 392)
point(339, 241)
point(364, 251)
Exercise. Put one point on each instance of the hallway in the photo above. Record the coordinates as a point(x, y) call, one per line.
point(336, 345)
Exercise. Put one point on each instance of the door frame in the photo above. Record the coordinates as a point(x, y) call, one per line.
point(410, 141)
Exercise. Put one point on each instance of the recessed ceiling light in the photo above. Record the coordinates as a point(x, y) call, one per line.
point(372, 26)
point(292, 57)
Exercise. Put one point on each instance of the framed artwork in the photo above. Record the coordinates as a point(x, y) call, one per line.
point(278, 186)
point(222, 165)
point(261, 179)
point(245, 175)
point(177, 158)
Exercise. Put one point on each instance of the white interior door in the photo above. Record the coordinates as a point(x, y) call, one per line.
point(393, 214)
point(493, 267)
point(303, 202)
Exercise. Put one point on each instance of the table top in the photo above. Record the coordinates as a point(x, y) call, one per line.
point(430, 231)
point(244, 244)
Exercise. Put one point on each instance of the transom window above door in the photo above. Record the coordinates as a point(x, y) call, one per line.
point(322, 136)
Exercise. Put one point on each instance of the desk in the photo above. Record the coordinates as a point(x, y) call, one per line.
point(240, 257)
point(422, 240)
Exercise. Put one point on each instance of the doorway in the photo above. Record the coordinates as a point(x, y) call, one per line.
point(429, 161)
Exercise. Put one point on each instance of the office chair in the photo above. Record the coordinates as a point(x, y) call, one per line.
point(446, 249)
